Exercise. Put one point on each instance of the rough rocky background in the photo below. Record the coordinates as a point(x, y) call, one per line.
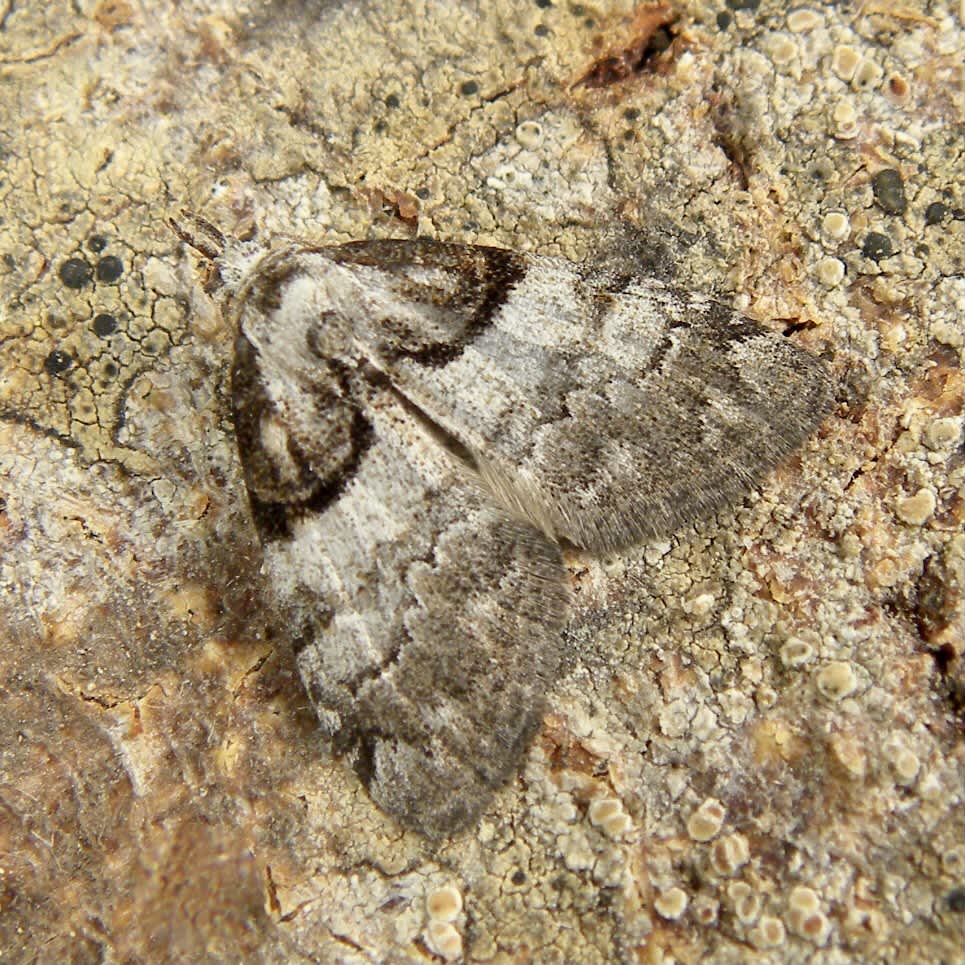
point(756, 754)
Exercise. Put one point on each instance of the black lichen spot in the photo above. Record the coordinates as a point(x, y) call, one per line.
point(75, 273)
point(889, 191)
point(519, 877)
point(104, 324)
point(743, 4)
point(578, 10)
point(936, 213)
point(724, 20)
point(110, 268)
point(544, 4)
point(631, 114)
point(541, 30)
point(392, 101)
point(469, 88)
point(97, 242)
point(154, 343)
point(422, 193)
point(821, 170)
point(955, 900)
point(110, 370)
point(9, 261)
point(58, 362)
point(877, 246)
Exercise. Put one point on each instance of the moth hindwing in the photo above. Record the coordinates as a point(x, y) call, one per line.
point(422, 424)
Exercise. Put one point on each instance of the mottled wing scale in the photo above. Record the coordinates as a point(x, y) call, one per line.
point(421, 424)
point(425, 619)
point(605, 417)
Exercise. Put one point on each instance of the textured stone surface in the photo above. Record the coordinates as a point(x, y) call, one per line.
point(796, 662)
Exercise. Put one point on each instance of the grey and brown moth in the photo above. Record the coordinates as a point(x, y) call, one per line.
point(423, 425)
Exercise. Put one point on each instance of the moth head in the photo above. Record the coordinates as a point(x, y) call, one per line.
point(286, 307)
point(295, 398)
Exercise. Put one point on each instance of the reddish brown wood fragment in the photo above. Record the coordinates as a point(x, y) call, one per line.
point(648, 38)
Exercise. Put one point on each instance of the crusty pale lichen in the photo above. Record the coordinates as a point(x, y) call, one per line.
point(796, 662)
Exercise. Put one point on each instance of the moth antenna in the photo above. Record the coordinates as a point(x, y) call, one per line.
point(200, 234)
point(228, 257)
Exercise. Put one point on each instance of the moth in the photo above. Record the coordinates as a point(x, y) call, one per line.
point(423, 426)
